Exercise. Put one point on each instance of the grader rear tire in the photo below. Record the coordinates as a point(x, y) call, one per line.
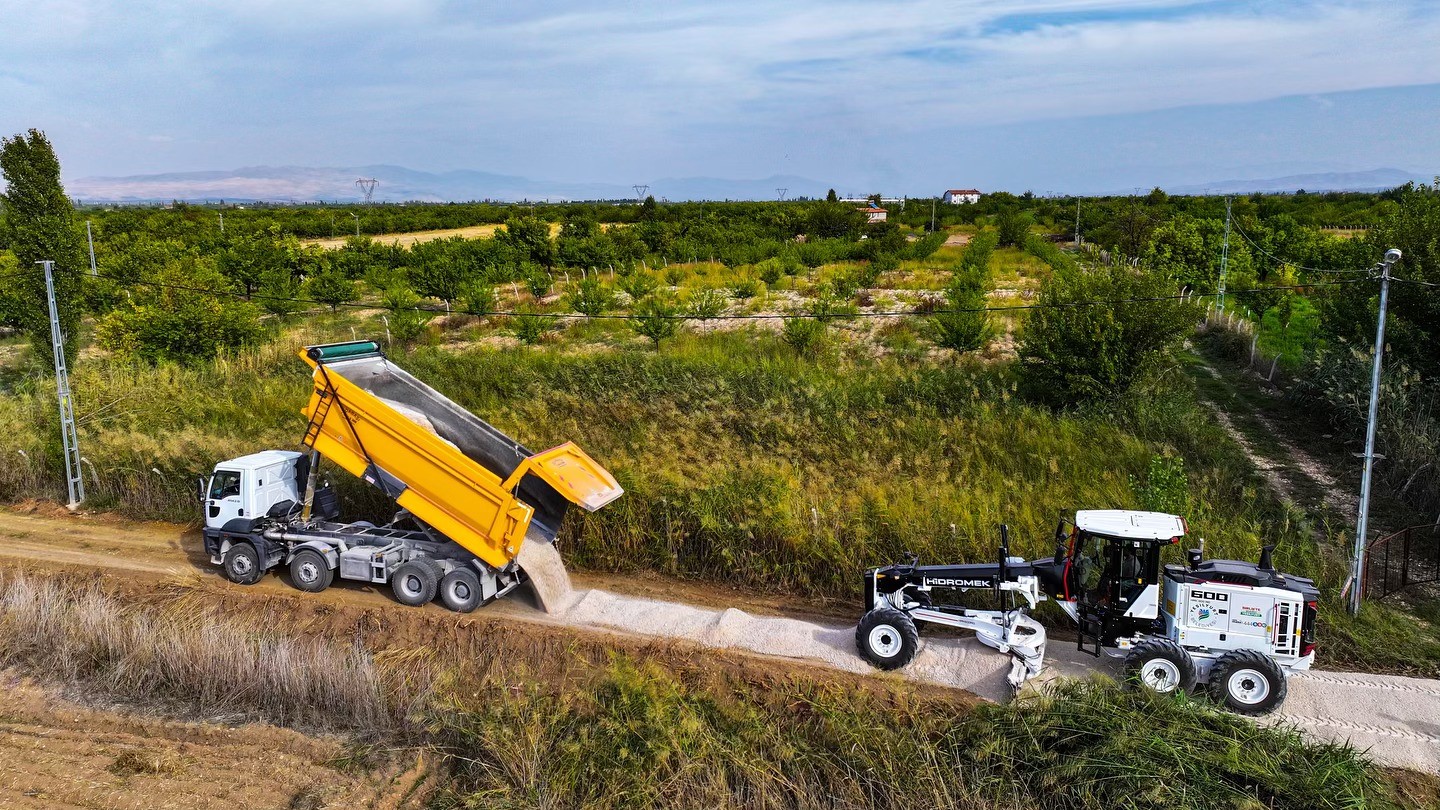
point(1247, 682)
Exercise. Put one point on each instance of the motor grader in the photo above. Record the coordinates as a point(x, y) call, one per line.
point(1236, 627)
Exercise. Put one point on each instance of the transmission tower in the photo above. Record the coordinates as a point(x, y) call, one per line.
point(640, 193)
point(367, 187)
point(68, 435)
point(780, 192)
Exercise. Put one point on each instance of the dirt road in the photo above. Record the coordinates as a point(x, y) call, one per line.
point(55, 753)
point(1393, 717)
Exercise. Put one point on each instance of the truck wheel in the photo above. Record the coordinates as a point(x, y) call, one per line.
point(308, 572)
point(460, 590)
point(887, 638)
point(242, 565)
point(1247, 682)
point(1160, 665)
point(415, 582)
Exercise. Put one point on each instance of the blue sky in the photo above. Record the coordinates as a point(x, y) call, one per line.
point(899, 95)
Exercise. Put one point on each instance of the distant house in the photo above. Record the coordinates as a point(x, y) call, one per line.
point(873, 213)
point(956, 196)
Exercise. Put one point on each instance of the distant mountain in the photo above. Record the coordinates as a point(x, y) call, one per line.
point(399, 184)
point(1373, 180)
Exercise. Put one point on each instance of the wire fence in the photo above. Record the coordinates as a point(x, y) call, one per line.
point(1402, 560)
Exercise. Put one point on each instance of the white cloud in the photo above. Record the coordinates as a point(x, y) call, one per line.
point(651, 79)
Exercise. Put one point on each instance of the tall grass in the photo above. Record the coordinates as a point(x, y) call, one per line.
point(219, 666)
point(642, 738)
point(546, 718)
point(741, 462)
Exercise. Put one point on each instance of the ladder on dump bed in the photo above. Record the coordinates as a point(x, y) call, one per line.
point(317, 418)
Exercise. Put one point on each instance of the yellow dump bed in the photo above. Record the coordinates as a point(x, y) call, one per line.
point(450, 469)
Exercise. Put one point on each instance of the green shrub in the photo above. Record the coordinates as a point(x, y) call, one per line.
point(962, 325)
point(1165, 488)
point(407, 319)
point(530, 326)
point(591, 297)
point(746, 288)
point(537, 280)
point(173, 323)
point(638, 284)
point(478, 297)
point(705, 303)
point(806, 335)
point(655, 318)
point(770, 271)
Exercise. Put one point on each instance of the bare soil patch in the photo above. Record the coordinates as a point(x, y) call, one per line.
point(57, 753)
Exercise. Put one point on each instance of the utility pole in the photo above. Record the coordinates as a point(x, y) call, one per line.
point(222, 220)
point(932, 214)
point(1077, 223)
point(68, 437)
point(1224, 259)
point(1362, 523)
point(91, 240)
point(357, 223)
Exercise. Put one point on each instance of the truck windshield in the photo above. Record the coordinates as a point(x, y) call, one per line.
point(225, 484)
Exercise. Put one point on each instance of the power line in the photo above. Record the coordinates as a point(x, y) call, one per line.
point(1279, 260)
point(751, 317)
point(1414, 281)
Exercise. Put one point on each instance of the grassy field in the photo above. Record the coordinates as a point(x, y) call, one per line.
point(409, 238)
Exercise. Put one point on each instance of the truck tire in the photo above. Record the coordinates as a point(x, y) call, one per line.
point(242, 565)
point(309, 573)
point(1160, 665)
point(1247, 682)
point(415, 582)
point(887, 638)
point(460, 590)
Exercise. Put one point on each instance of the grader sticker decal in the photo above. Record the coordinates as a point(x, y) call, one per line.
point(1209, 609)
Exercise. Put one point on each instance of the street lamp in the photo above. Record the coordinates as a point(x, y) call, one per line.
point(1362, 523)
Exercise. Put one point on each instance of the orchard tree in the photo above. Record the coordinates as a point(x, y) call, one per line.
point(332, 287)
point(1093, 334)
point(964, 325)
point(530, 236)
point(1013, 226)
point(176, 323)
point(41, 224)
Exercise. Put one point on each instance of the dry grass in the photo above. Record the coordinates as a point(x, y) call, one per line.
point(225, 668)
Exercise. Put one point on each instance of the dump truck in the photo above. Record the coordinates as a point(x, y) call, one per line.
point(477, 513)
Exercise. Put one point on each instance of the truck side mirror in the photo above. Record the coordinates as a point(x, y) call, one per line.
point(200, 486)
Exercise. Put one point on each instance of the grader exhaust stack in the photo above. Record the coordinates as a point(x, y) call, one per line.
point(457, 478)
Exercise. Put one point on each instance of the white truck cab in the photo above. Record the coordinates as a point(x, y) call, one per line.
point(248, 486)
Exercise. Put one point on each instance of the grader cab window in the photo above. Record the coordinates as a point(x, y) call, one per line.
point(1089, 567)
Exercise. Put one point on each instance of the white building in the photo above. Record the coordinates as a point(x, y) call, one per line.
point(956, 196)
point(874, 213)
